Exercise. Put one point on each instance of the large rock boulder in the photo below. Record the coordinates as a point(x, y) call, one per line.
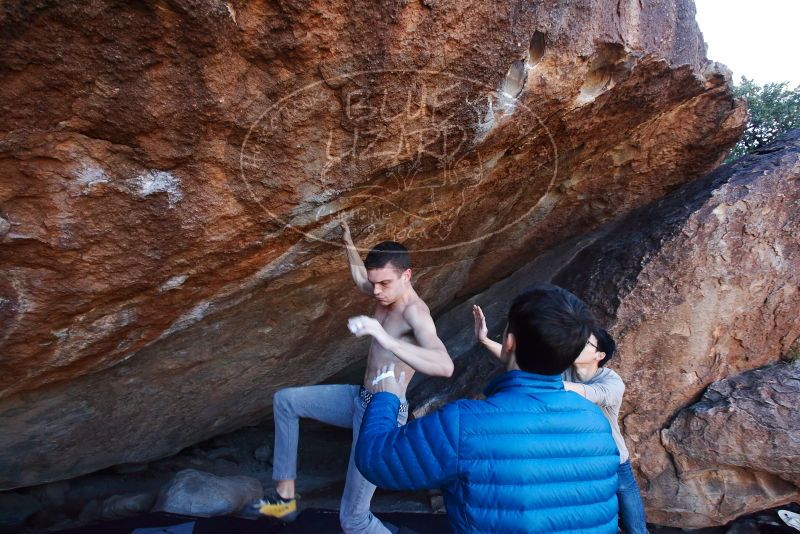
point(171, 173)
point(696, 287)
point(736, 450)
point(701, 285)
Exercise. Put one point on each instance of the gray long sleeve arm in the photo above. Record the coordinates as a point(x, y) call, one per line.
point(607, 391)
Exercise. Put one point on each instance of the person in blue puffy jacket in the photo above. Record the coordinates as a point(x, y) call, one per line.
point(588, 377)
point(532, 457)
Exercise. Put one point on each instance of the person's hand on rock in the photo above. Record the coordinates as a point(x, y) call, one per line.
point(481, 332)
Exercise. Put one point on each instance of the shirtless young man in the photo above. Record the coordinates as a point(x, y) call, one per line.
point(403, 334)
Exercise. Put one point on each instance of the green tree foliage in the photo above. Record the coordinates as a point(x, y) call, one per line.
point(774, 110)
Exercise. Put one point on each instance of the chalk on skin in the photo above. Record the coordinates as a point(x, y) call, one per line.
point(382, 376)
point(354, 325)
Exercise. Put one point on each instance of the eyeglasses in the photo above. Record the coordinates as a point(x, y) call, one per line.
point(588, 342)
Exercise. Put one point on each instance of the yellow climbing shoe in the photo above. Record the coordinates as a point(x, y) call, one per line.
point(274, 505)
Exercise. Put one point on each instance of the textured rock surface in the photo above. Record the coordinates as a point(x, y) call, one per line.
point(700, 285)
point(118, 507)
point(738, 448)
point(710, 292)
point(195, 493)
point(170, 171)
point(98, 496)
point(15, 509)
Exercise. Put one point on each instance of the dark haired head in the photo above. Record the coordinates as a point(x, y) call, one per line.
point(388, 252)
point(550, 326)
point(605, 344)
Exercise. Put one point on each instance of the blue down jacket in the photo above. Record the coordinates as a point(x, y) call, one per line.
point(532, 457)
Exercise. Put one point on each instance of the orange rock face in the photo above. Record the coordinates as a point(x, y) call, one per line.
point(172, 174)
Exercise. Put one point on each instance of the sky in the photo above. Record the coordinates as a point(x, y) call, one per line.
point(759, 39)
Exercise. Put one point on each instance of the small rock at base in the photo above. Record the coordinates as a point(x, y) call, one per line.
point(197, 493)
